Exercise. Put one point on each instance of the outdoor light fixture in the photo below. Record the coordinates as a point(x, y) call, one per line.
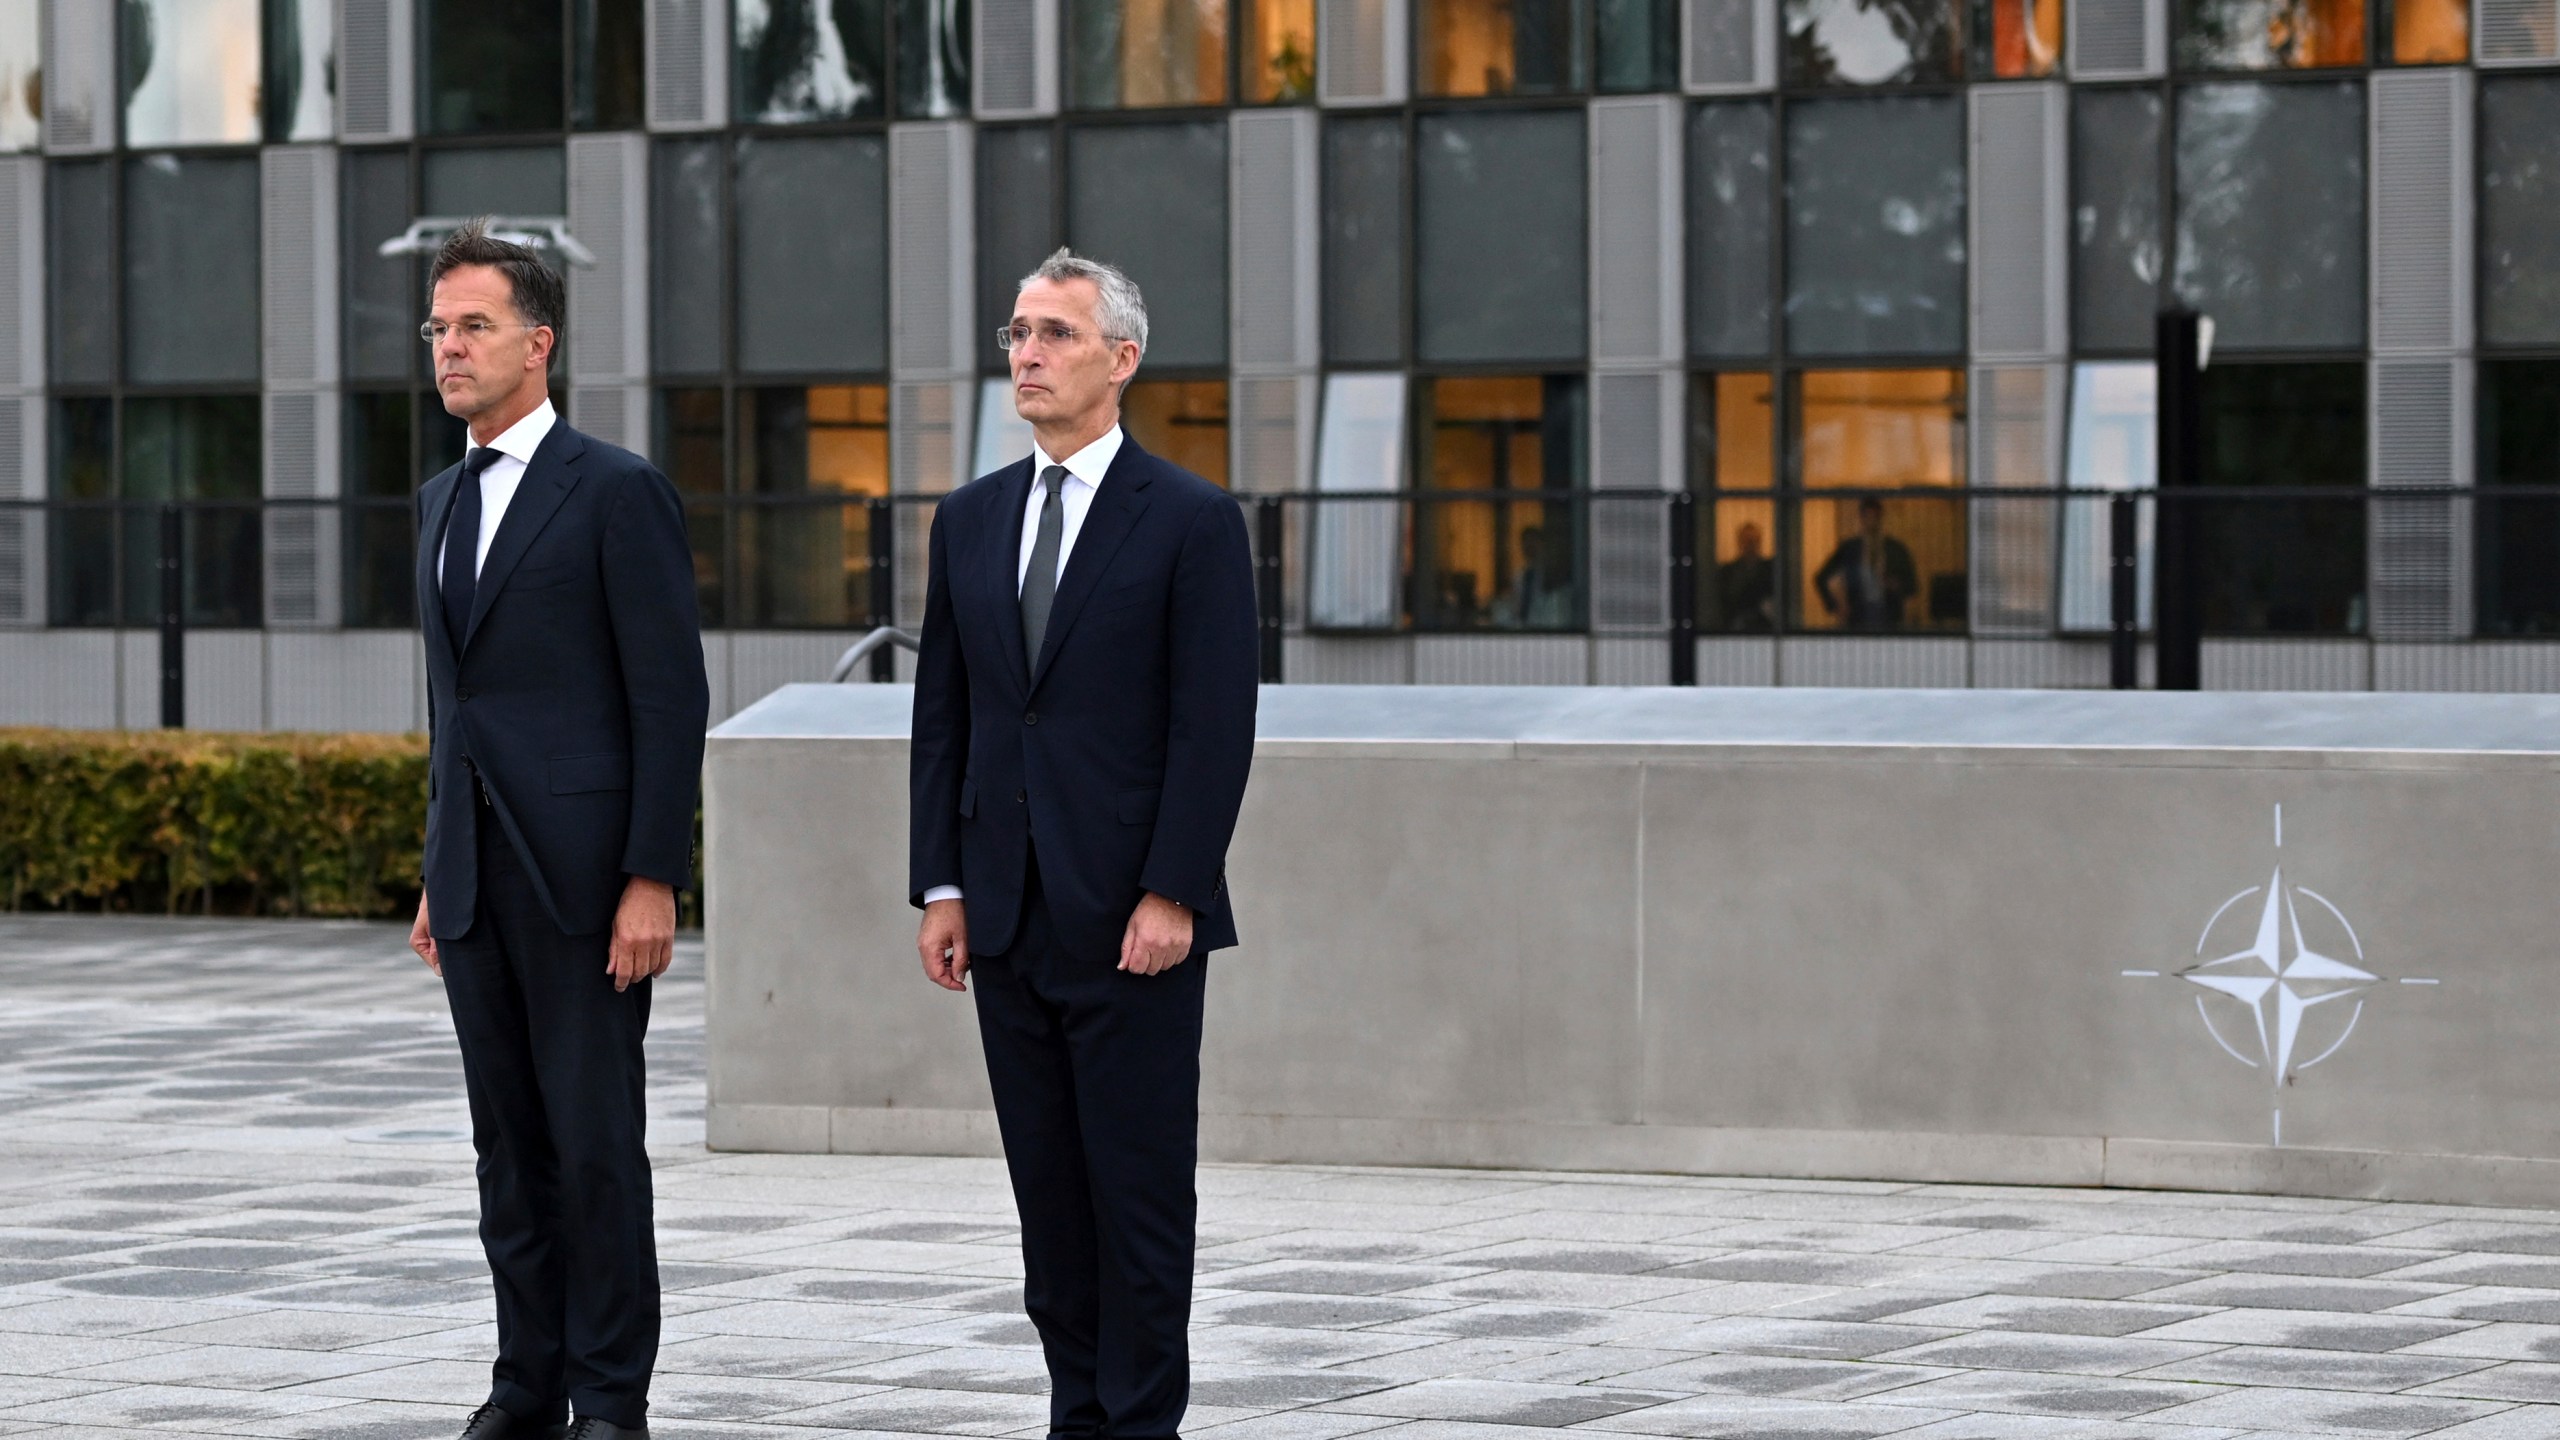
point(543, 232)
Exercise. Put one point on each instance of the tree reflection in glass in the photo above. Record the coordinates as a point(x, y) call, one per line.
point(2271, 34)
point(801, 60)
point(1873, 42)
point(1134, 53)
point(190, 72)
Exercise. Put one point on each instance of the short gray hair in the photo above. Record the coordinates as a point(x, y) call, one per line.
point(1122, 311)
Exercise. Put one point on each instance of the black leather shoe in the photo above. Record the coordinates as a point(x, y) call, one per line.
point(491, 1423)
point(587, 1427)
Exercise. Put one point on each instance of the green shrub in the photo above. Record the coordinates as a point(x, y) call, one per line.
point(176, 821)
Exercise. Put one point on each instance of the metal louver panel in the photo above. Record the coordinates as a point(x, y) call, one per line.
point(298, 264)
point(22, 531)
point(2421, 445)
point(2420, 254)
point(1635, 453)
point(2016, 442)
point(1360, 52)
point(932, 229)
point(688, 44)
point(301, 540)
point(1271, 232)
point(931, 425)
point(608, 339)
point(1272, 436)
point(2019, 215)
point(616, 412)
point(1728, 46)
point(79, 76)
point(1635, 231)
point(2117, 39)
point(2515, 32)
point(22, 357)
point(376, 84)
point(1017, 59)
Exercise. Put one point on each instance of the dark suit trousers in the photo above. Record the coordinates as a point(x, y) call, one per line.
point(551, 1058)
point(1097, 1087)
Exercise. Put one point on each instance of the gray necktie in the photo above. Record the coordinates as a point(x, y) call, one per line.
point(1040, 585)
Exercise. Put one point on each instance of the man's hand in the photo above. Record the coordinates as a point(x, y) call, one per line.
point(943, 941)
point(644, 933)
point(1158, 937)
point(422, 941)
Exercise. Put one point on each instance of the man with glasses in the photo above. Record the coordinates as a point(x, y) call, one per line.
point(1083, 724)
point(566, 703)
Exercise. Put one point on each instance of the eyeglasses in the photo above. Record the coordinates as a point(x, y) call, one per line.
point(1052, 334)
point(436, 332)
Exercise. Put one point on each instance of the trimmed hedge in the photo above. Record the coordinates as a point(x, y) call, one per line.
point(182, 822)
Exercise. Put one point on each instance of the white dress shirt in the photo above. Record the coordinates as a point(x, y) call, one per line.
point(515, 446)
point(1085, 470)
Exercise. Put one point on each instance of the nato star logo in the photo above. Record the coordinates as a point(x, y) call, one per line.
point(2293, 992)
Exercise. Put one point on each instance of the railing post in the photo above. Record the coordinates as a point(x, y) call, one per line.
point(2177, 611)
point(2124, 593)
point(1270, 526)
point(173, 618)
point(884, 583)
point(1684, 588)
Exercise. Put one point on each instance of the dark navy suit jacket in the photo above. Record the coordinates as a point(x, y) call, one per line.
point(1122, 756)
point(577, 691)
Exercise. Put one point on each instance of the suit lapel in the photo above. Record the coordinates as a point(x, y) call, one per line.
point(547, 481)
point(1004, 566)
point(1117, 504)
point(436, 505)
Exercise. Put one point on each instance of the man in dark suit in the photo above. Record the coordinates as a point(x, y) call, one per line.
point(1083, 725)
point(566, 702)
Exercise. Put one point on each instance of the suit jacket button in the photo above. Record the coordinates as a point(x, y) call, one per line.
point(1030, 717)
point(461, 694)
point(1021, 797)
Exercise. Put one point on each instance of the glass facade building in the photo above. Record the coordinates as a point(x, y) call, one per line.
point(1868, 279)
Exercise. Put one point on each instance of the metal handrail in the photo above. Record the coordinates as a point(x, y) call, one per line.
point(861, 649)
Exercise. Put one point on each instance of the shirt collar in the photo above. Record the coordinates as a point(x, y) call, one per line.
point(1089, 464)
point(520, 440)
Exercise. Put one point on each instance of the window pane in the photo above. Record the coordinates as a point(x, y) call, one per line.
point(1639, 45)
point(1355, 563)
point(610, 92)
point(190, 72)
point(383, 304)
point(1875, 226)
point(812, 255)
point(1148, 52)
point(442, 439)
point(2271, 213)
point(381, 583)
point(1017, 225)
point(2519, 545)
point(298, 94)
point(2015, 39)
point(2115, 218)
point(2519, 211)
point(196, 448)
point(1152, 199)
point(1502, 47)
point(1729, 255)
point(1499, 564)
point(191, 269)
point(1732, 446)
point(1501, 205)
point(1184, 421)
point(2114, 419)
point(2284, 566)
point(933, 58)
point(692, 445)
point(83, 542)
point(1881, 562)
point(2430, 32)
point(1003, 435)
point(490, 65)
point(1364, 239)
point(686, 262)
point(1279, 51)
point(809, 59)
point(2270, 34)
point(1872, 42)
point(809, 564)
point(518, 180)
point(21, 83)
point(81, 263)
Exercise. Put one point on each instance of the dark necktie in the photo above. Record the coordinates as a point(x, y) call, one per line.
point(1040, 583)
point(462, 543)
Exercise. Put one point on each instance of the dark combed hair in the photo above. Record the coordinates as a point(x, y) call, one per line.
point(540, 297)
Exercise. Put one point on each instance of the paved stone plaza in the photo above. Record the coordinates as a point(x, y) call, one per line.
point(235, 1199)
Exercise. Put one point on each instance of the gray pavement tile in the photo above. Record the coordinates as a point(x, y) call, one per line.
point(1811, 1339)
point(2067, 1354)
point(1500, 1402)
point(1806, 1267)
point(1293, 1425)
point(89, 1315)
point(19, 1391)
point(2054, 1317)
point(1748, 1417)
point(1276, 1389)
point(2501, 1340)
point(1575, 1259)
point(743, 1397)
point(2504, 1237)
point(2275, 1258)
point(2308, 1329)
point(157, 1283)
point(767, 1355)
point(2050, 1427)
point(1582, 1364)
point(1357, 1246)
point(951, 1367)
point(371, 1420)
point(1866, 1304)
point(163, 1407)
point(2020, 1392)
point(1299, 1277)
point(2516, 1380)
point(1473, 1358)
point(22, 1354)
point(1747, 1297)
point(2326, 1412)
point(930, 1412)
point(2314, 1369)
point(234, 1367)
point(1560, 1288)
point(2291, 1292)
point(1327, 1312)
point(1234, 1344)
point(1777, 1376)
point(2525, 1422)
point(2490, 1302)
point(1499, 1321)
point(2109, 1249)
point(2533, 1272)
